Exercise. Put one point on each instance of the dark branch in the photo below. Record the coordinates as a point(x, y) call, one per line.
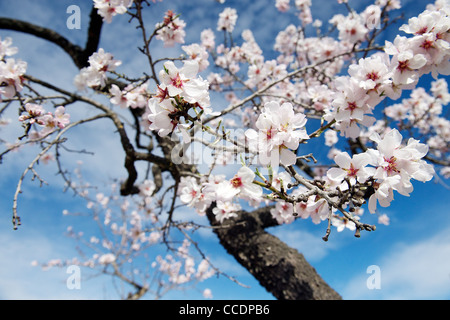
point(94, 32)
point(79, 55)
point(74, 51)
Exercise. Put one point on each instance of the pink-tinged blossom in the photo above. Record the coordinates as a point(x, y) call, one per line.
point(179, 91)
point(351, 168)
point(130, 97)
point(118, 97)
point(405, 64)
point(280, 130)
point(342, 223)
point(316, 209)
point(281, 180)
point(171, 30)
point(431, 39)
point(371, 16)
point(197, 53)
point(389, 4)
point(384, 193)
point(283, 212)
point(103, 61)
point(282, 5)
point(192, 194)
point(6, 49)
point(11, 77)
point(351, 128)
point(440, 92)
point(372, 74)
point(350, 101)
point(396, 165)
point(227, 20)
point(35, 111)
point(35, 114)
point(95, 75)
point(304, 6)
point(107, 258)
point(383, 219)
point(61, 118)
point(351, 29)
point(207, 38)
point(424, 23)
point(147, 188)
point(162, 116)
point(225, 210)
point(107, 9)
point(207, 294)
point(331, 138)
point(243, 182)
point(321, 96)
point(183, 82)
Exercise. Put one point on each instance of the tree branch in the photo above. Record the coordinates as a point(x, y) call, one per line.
point(79, 55)
point(282, 270)
point(74, 51)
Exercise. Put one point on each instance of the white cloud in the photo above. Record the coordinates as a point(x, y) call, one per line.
point(419, 270)
point(21, 280)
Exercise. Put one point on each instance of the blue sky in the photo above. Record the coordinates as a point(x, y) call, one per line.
point(413, 253)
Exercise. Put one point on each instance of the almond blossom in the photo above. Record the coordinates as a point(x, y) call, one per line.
point(11, 77)
point(243, 182)
point(171, 30)
point(396, 165)
point(280, 130)
point(183, 82)
point(107, 9)
point(47, 121)
point(179, 92)
point(225, 210)
point(341, 223)
point(227, 20)
point(197, 53)
point(95, 75)
point(405, 63)
point(283, 212)
point(6, 49)
point(352, 168)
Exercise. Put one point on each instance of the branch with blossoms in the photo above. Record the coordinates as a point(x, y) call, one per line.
point(327, 86)
point(280, 125)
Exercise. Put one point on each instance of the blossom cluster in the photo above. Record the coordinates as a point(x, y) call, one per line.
point(395, 166)
point(280, 130)
point(389, 168)
point(47, 121)
point(346, 102)
point(107, 9)
point(181, 95)
point(95, 75)
point(388, 73)
point(225, 192)
point(11, 70)
point(227, 20)
point(130, 97)
point(171, 30)
point(425, 112)
point(180, 269)
point(131, 225)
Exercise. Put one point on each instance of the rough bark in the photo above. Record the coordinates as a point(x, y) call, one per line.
point(282, 270)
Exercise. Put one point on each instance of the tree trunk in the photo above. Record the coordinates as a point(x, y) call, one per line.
point(282, 270)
